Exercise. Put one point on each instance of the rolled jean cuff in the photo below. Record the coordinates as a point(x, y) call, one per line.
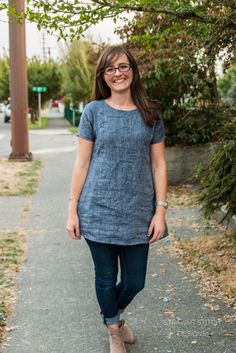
point(112, 320)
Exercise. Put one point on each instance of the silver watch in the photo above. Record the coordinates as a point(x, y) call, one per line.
point(162, 203)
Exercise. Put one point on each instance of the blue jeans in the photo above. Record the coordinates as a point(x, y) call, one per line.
point(113, 298)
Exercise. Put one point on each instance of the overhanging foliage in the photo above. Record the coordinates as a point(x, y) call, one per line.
point(70, 19)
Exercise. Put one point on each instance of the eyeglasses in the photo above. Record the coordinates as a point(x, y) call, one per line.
point(111, 70)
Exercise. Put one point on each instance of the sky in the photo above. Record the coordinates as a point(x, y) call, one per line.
point(34, 38)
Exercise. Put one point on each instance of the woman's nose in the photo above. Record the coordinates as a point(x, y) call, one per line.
point(117, 72)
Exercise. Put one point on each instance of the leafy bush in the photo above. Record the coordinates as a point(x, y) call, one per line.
point(191, 126)
point(218, 175)
point(227, 86)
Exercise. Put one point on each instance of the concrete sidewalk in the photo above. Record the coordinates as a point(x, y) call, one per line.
point(56, 309)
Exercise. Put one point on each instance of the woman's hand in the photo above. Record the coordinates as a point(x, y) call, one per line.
point(157, 226)
point(72, 226)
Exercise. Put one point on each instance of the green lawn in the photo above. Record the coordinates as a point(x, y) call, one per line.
point(44, 124)
point(73, 130)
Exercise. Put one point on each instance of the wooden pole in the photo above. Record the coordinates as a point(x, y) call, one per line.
point(18, 86)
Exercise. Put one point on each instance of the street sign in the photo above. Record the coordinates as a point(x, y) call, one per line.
point(39, 89)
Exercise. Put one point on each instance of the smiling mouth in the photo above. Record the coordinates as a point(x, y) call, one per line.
point(119, 81)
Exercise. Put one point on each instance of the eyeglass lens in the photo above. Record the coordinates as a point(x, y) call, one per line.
point(122, 68)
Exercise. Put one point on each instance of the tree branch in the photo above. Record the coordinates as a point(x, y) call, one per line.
point(97, 10)
point(183, 15)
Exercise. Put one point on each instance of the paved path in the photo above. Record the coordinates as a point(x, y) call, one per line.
point(56, 309)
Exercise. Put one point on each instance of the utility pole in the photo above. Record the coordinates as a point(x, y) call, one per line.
point(44, 47)
point(18, 86)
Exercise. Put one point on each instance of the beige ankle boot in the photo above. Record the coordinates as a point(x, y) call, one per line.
point(127, 334)
point(116, 341)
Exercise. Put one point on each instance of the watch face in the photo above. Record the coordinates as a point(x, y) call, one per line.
point(162, 203)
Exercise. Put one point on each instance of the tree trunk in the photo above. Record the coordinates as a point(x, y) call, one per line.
point(33, 115)
point(213, 87)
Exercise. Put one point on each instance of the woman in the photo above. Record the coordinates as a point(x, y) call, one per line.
point(119, 186)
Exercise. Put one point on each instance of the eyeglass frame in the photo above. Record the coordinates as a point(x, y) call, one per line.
point(116, 68)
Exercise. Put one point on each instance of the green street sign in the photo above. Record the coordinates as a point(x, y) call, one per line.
point(39, 89)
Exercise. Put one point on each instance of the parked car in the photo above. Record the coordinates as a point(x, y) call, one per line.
point(2, 108)
point(7, 117)
point(54, 103)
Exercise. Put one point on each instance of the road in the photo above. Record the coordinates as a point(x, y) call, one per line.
point(39, 140)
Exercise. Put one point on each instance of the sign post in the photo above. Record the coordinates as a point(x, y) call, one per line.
point(39, 89)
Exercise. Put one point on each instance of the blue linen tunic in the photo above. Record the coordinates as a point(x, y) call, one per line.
point(116, 204)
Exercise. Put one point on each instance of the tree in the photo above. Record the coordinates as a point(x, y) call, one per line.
point(4, 78)
point(43, 73)
point(178, 72)
point(176, 68)
point(78, 71)
point(71, 18)
point(227, 86)
point(39, 74)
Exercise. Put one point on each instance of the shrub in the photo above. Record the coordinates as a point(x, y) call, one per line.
point(192, 126)
point(218, 175)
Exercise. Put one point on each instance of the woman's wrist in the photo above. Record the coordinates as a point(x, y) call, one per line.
point(72, 208)
point(160, 210)
point(73, 199)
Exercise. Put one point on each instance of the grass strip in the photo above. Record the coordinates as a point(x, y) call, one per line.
point(73, 130)
point(12, 254)
point(44, 124)
point(19, 178)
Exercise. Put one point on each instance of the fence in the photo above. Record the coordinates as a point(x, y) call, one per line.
point(73, 116)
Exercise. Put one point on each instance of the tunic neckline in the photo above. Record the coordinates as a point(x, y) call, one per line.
point(118, 110)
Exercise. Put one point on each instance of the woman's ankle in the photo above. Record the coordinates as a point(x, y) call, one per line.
point(114, 326)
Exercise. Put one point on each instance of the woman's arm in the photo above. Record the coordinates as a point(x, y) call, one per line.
point(82, 162)
point(159, 172)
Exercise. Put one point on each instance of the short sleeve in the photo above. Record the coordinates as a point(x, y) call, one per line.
point(86, 128)
point(158, 132)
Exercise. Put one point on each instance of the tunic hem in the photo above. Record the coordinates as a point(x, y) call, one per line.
point(114, 242)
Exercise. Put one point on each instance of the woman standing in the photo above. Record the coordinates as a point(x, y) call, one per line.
point(119, 186)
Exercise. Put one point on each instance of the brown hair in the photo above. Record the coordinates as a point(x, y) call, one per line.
point(150, 111)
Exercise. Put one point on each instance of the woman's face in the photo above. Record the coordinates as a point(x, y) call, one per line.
point(119, 81)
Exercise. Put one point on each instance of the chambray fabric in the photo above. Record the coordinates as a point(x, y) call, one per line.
point(116, 204)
